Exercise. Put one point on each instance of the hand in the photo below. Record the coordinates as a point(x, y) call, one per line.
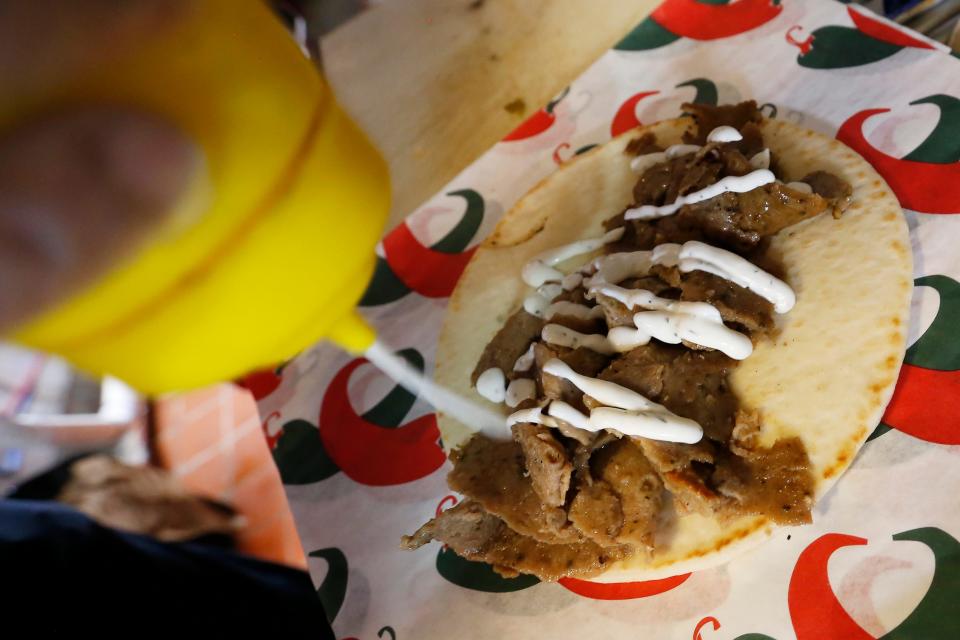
point(81, 189)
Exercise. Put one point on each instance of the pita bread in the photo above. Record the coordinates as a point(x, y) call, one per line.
point(826, 378)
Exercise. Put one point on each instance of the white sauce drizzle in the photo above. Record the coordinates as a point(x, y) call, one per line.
point(693, 255)
point(564, 337)
point(672, 321)
point(674, 327)
point(573, 310)
point(550, 290)
point(624, 339)
point(761, 160)
point(537, 271)
point(563, 411)
point(525, 361)
point(492, 385)
point(654, 425)
point(736, 184)
point(666, 254)
point(542, 269)
point(642, 298)
point(724, 133)
point(639, 416)
point(647, 160)
point(700, 256)
point(604, 391)
point(641, 163)
point(572, 281)
point(582, 436)
point(534, 415)
point(617, 267)
point(677, 150)
point(519, 390)
point(720, 134)
point(537, 303)
point(802, 187)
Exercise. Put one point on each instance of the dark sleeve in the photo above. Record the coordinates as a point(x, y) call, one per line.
point(63, 572)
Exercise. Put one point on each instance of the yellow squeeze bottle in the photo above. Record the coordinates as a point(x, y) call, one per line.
point(296, 199)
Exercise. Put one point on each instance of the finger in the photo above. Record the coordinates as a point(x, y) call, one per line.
point(78, 193)
point(44, 42)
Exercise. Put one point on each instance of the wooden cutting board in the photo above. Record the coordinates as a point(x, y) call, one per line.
point(435, 83)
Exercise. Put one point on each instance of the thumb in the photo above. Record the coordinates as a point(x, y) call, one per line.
point(78, 192)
